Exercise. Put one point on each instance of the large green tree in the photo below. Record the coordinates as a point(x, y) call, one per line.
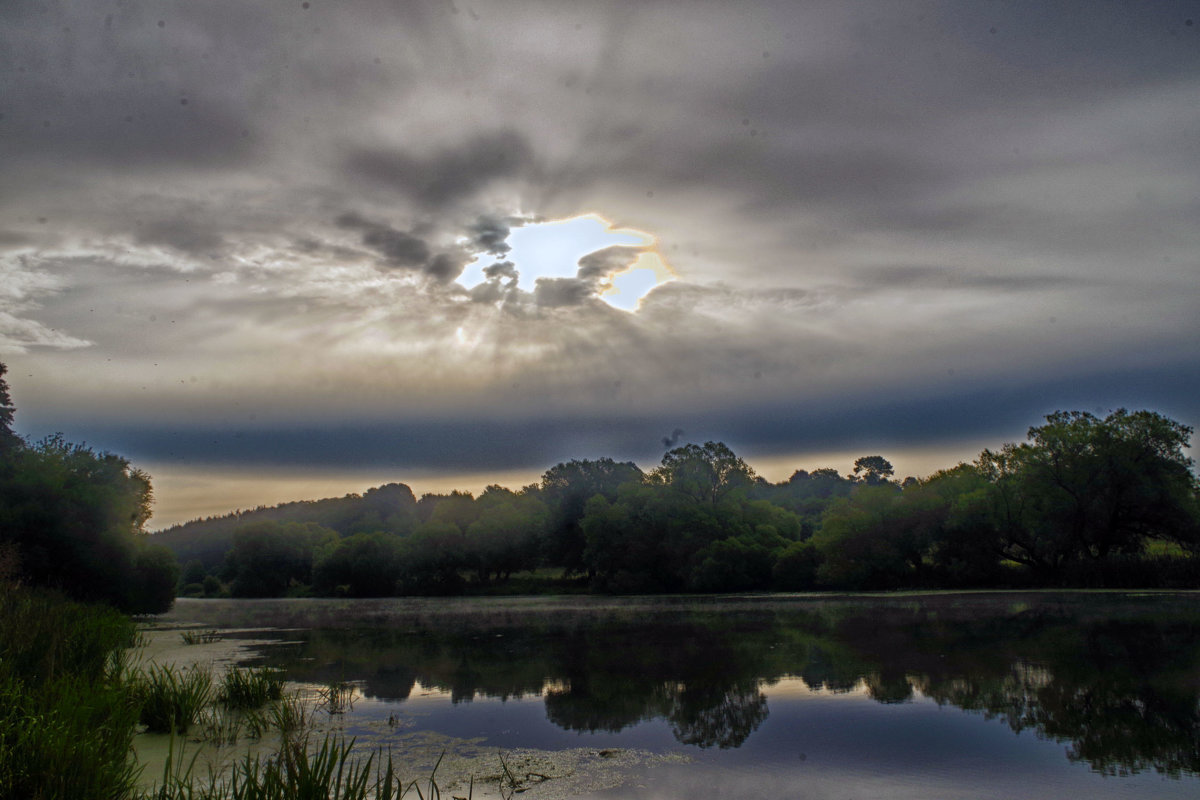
point(270, 558)
point(74, 519)
point(566, 488)
point(707, 473)
point(1089, 488)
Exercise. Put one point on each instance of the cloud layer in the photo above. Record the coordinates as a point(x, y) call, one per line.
point(243, 223)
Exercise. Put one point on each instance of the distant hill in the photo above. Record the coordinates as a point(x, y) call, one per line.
point(391, 507)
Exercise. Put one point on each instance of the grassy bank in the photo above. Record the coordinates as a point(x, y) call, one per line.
point(67, 714)
point(71, 704)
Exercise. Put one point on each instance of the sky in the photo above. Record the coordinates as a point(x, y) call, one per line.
point(282, 250)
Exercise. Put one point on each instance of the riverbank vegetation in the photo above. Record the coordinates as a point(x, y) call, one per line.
point(1086, 501)
point(71, 704)
point(74, 520)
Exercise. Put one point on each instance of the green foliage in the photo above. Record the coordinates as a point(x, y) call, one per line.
point(873, 470)
point(390, 508)
point(200, 637)
point(806, 494)
point(76, 517)
point(566, 489)
point(733, 565)
point(795, 567)
point(62, 702)
point(9, 441)
point(508, 535)
point(250, 688)
point(270, 557)
point(433, 559)
point(861, 541)
point(362, 565)
point(1087, 488)
point(298, 772)
point(73, 519)
point(193, 572)
point(154, 576)
point(171, 699)
point(1082, 489)
point(706, 473)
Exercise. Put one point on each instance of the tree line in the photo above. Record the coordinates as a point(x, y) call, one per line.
point(1085, 501)
point(74, 519)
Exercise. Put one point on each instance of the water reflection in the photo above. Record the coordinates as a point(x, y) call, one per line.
point(1115, 679)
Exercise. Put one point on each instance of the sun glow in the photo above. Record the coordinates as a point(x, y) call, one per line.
point(554, 250)
point(628, 287)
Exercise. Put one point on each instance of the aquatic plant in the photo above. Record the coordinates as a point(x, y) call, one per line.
point(337, 697)
point(171, 698)
point(220, 725)
point(200, 637)
point(288, 716)
point(250, 688)
point(327, 772)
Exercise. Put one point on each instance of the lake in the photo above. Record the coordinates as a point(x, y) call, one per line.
point(963, 695)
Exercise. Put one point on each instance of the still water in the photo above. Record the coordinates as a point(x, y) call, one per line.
point(978, 695)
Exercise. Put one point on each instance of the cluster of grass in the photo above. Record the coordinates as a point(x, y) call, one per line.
point(67, 719)
point(250, 688)
point(70, 706)
point(288, 716)
point(337, 697)
point(200, 637)
point(328, 772)
point(171, 699)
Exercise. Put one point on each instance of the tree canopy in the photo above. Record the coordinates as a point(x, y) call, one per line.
point(74, 519)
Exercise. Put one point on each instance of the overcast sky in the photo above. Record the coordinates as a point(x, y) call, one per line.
point(232, 233)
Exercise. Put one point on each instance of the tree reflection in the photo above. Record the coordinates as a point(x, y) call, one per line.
point(1115, 680)
point(714, 716)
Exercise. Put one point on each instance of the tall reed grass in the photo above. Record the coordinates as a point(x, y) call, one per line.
point(171, 699)
point(250, 688)
point(298, 772)
point(70, 705)
point(66, 718)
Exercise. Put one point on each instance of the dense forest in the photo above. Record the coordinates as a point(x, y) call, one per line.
point(1085, 501)
point(73, 519)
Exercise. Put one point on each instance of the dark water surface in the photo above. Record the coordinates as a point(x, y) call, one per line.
point(1004, 695)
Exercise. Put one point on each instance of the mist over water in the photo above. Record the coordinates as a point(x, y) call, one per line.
point(976, 695)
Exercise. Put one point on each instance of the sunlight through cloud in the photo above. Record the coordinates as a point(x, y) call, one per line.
point(553, 251)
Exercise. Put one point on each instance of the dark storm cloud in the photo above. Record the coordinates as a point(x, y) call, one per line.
point(401, 249)
point(501, 270)
point(559, 292)
point(921, 415)
point(490, 235)
point(83, 83)
point(445, 267)
point(452, 174)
